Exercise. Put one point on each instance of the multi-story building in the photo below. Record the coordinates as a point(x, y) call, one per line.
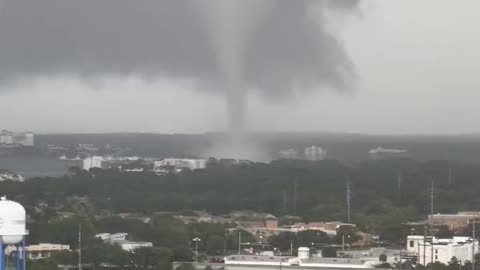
point(10, 138)
point(92, 162)
point(6, 137)
point(29, 139)
point(315, 153)
point(441, 250)
point(120, 240)
point(181, 163)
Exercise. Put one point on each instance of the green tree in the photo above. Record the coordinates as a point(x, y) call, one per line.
point(393, 232)
point(151, 257)
point(215, 245)
point(310, 238)
point(185, 266)
point(283, 241)
point(384, 266)
point(477, 258)
point(64, 230)
point(438, 266)
point(182, 254)
point(454, 264)
point(329, 252)
point(97, 252)
point(444, 232)
point(233, 238)
point(349, 233)
point(43, 264)
point(65, 257)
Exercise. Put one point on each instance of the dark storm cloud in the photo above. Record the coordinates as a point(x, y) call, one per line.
point(168, 38)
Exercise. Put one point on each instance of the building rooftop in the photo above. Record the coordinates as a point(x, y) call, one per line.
point(258, 258)
point(312, 261)
point(320, 260)
point(126, 242)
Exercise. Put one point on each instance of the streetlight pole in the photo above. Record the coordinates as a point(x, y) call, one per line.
point(196, 240)
point(239, 242)
point(79, 247)
point(473, 244)
point(425, 246)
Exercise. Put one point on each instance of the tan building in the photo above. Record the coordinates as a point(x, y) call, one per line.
point(271, 222)
point(41, 251)
point(453, 221)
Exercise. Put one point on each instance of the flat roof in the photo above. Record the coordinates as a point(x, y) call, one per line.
point(259, 258)
point(320, 260)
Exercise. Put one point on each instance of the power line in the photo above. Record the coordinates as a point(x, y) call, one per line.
point(348, 201)
point(431, 199)
point(79, 246)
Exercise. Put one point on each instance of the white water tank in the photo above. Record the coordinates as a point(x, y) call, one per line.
point(12, 222)
point(303, 253)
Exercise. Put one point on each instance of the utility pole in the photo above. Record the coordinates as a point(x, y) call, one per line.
point(348, 201)
point(431, 223)
point(79, 246)
point(284, 202)
point(291, 247)
point(196, 240)
point(239, 242)
point(295, 197)
point(399, 182)
point(450, 174)
point(400, 257)
point(431, 248)
point(431, 202)
point(473, 244)
point(425, 246)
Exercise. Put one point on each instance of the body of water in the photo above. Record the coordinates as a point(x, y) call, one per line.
point(30, 167)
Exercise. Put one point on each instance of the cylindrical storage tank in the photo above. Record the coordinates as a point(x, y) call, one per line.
point(303, 253)
point(12, 222)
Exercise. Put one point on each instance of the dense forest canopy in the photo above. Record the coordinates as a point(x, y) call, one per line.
point(385, 194)
point(397, 189)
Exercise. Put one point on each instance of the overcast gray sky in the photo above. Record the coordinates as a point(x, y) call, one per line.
point(416, 64)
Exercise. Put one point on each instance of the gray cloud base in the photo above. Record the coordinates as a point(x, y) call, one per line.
point(168, 38)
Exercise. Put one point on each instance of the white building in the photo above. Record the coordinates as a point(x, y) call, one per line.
point(10, 138)
point(120, 239)
point(304, 260)
point(380, 152)
point(131, 245)
point(112, 236)
point(29, 139)
point(6, 137)
point(181, 163)
point(315, 153)
point(443, 251)
point(92, 162)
